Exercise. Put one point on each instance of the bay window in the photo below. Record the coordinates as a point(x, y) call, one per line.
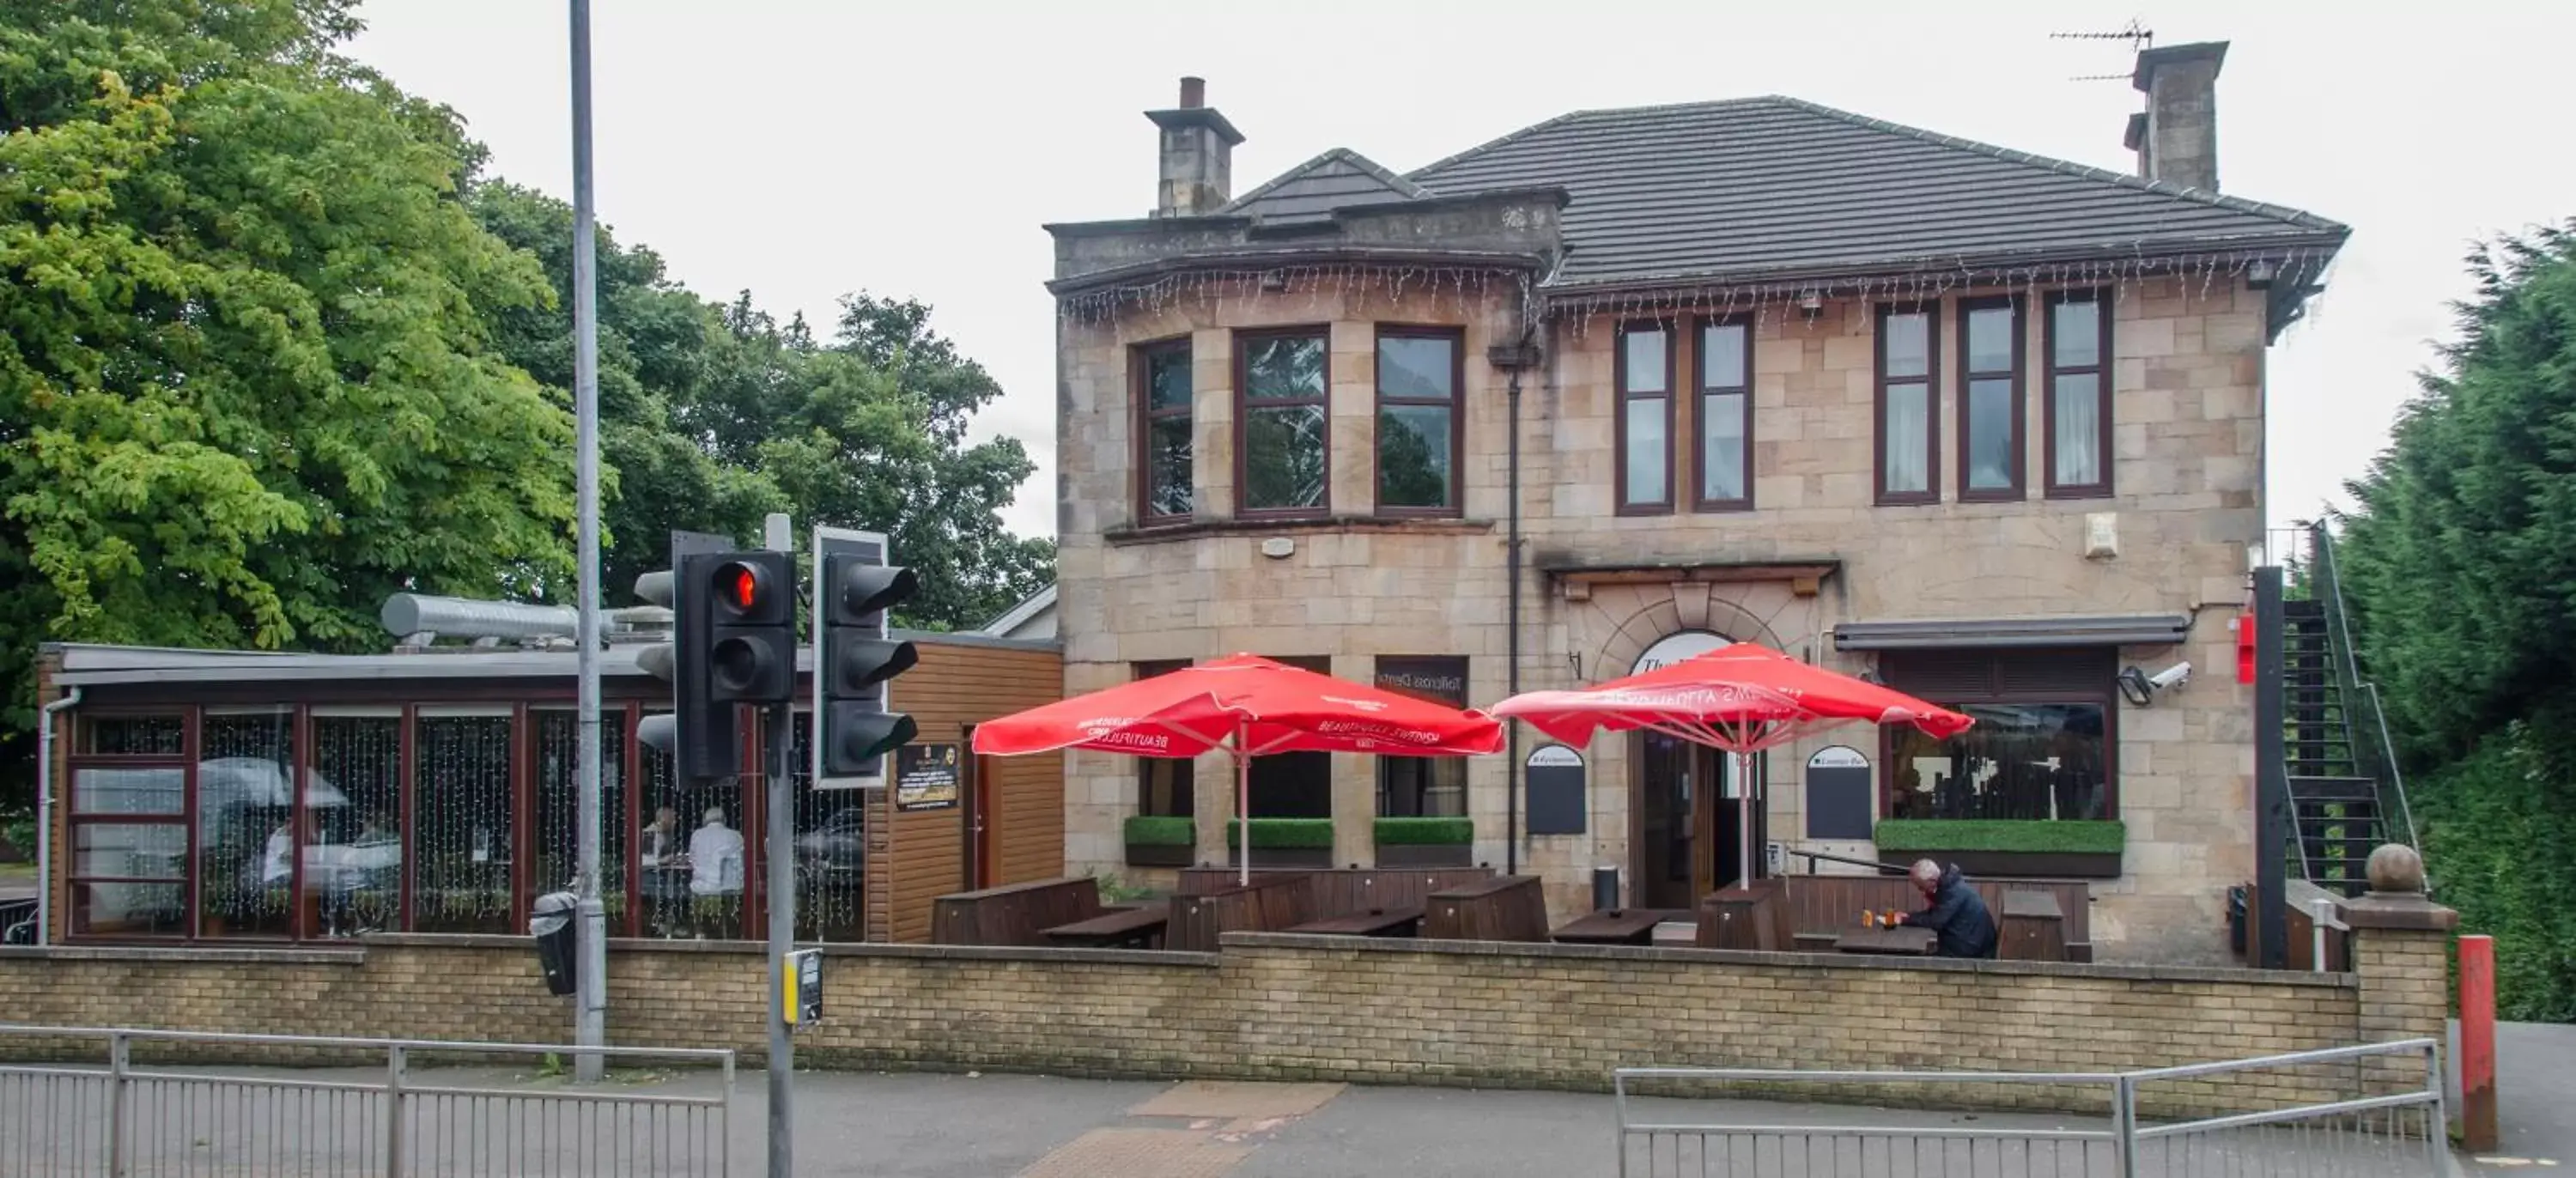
point(1163, 392)
point(1282, 440)
point(1418, 374)
point(2044, 746)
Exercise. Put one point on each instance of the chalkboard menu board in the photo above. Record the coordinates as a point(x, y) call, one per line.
point(1554, 786)
point(1840, 803)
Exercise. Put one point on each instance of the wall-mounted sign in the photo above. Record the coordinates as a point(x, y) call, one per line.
point(925, 777)
point(1840, 802)
point(1673, 648)
point(1554, 786)
point(1443, 679)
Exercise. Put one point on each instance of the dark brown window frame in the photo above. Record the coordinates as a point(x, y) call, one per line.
point(1322, 332)
point(2101, 370)
point(2107, 696)
point(2019, 488)
point(1931, 382)
point(1141, 369)
point(1184, 771)
point(1456, 404)
point(1701, 391)
point(68, 927)
point(1619, 399)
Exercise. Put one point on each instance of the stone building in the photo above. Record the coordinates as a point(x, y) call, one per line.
point(1628, 384)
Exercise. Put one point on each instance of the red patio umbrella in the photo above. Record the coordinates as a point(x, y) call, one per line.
point(1742, 698)
point(1247, 706)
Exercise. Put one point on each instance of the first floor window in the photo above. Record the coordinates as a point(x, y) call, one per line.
point(1417, 420)
point(1725, 358)
point(1423, 787)
point(1908, 356)
point(1644, 379)
point(1282, 433)
point(2042, 749)
point(1165, 786)
point(2078, 404)
point(1163, 393)
point(1990, 399)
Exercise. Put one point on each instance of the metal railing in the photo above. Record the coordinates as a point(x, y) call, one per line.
point(320, 1106)
point(2399, 1131)
point(2369, 738)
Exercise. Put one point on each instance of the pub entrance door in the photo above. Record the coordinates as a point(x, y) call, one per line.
point(1685, 841)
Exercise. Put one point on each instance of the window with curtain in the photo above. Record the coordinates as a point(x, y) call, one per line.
point(692, 860)
point(247, 819)
point(2043, 747)
point(2079, 394)
point(1282, 435)
point(1165, 786)
point(1725, 412)
point(1644, 424)
point(831, 849)
point(1423, 787)
point(1163, 379)
point(357, 771)
point(128, 803)
point(1418, 372)
point(558, 805)
point(1990, 412)
point(1908, 358)
point(462, 846)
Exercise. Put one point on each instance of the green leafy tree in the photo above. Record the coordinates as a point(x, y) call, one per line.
point(2460, 566)
point(246, 381)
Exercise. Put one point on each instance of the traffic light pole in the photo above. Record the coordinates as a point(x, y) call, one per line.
point(779, 849)
point(590, 987)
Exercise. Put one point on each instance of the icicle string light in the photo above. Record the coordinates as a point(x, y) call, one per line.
point(1366, 285)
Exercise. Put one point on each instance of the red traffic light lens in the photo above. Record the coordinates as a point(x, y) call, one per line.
point(742, 586)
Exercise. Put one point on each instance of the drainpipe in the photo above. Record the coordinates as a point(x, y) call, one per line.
point(45, 816)
point(1513, 358)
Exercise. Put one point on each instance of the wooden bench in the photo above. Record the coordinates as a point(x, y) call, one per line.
point(1753, 917)
point(1013, 914)
point(1828, 904)
point(1138, 927)
point(1383, 922)
point(2031, 927)
point(1339, 891)
point(1500, 908)
point(1613, 926)
point(1274, 903)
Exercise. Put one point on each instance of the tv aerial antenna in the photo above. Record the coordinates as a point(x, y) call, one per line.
point(2136, 33)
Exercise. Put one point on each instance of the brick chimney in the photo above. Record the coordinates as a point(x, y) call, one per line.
point(2176, 138)
point(1198, 155)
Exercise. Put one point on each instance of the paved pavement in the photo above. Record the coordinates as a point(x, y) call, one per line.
point(998, 1126)
point(2535, 1099)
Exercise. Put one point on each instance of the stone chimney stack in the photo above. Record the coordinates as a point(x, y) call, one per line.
point(2177, 137)
point(1198, 155)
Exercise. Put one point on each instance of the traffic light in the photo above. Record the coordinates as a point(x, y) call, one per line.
point(856, 730)
point(702, 739)
point(743, 604)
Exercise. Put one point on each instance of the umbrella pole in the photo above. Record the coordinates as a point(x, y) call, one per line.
point(1744, 818)
point(1242, 808)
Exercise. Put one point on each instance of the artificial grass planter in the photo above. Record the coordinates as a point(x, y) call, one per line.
point(1284, 842)
point(1425, 842)
point(1283, 834)
point(2081, 849)
point(1161, 841)
point(1425, 832)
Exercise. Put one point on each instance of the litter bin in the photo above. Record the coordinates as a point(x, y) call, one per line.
point(550, 921)
point(1605, 888)
point(2236, 919)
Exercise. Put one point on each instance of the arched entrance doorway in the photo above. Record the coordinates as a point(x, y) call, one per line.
point(1682, 809)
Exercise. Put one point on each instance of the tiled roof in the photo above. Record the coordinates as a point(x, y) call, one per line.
point(1311, 191)
point(1757, 187)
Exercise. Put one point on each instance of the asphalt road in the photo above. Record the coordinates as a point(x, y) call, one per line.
point(2535, 1099)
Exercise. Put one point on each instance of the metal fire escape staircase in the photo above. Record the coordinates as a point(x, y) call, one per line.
point(2347, 795)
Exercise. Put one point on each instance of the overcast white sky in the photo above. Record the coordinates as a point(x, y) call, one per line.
point(808, 148)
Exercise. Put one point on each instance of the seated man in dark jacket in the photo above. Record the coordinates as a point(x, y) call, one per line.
point(1957, 915)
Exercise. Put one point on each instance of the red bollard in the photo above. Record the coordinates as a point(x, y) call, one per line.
point(2477, 1044)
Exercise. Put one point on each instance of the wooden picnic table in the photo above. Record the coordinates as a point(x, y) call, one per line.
point(1140, 927)
point(1376, 922)
point(1613, 926)
point(1899, 941)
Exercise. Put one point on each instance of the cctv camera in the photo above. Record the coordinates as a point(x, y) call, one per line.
point(2171, 677)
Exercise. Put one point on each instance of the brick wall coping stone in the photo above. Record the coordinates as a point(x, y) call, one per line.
point(2133, 973)
point(185, 954)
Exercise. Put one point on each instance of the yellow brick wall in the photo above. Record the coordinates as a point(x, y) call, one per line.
point(1299, 1008)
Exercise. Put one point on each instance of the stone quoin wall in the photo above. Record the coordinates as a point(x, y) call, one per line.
point(1282, 1007)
